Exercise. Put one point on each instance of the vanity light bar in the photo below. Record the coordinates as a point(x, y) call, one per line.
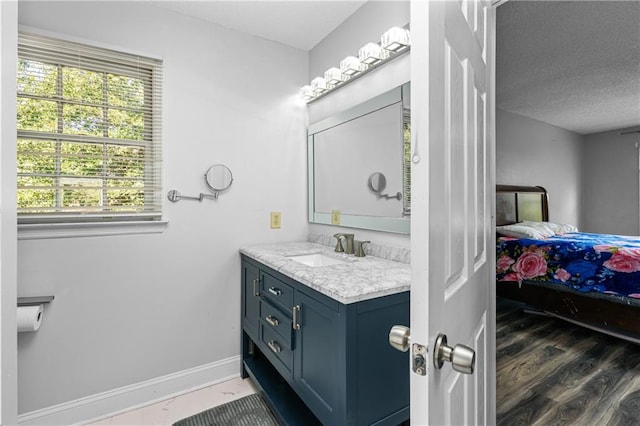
point(393, 42)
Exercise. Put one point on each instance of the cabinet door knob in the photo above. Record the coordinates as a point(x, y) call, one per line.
point(256, 287)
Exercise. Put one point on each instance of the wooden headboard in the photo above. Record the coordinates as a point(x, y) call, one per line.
point(517, 203)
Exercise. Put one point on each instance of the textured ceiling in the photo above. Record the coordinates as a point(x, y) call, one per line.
point(573, 64)
point(301, 24)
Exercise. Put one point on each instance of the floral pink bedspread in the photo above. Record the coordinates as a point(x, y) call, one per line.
point(584, 262)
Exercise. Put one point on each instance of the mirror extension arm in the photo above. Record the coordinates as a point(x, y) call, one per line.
point(174, 196)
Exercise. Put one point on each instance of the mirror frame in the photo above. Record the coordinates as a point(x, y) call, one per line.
point(209, 184)
point(400, 225)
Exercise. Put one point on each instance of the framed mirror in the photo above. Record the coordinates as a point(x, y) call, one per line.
point(346, 149)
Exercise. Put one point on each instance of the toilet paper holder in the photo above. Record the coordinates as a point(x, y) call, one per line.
point(34, 300)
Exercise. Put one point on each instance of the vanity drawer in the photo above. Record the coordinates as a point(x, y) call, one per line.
point(276, 291)
point(276, 320)
point(276, 347)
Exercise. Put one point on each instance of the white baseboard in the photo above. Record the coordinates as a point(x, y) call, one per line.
point(115, 401)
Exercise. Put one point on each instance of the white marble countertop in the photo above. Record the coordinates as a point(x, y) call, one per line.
point(360, 278)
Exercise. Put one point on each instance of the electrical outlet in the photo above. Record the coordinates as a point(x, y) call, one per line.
point(335, 217)
point(276, 220)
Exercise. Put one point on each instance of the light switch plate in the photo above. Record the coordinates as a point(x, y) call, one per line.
point(276, 220)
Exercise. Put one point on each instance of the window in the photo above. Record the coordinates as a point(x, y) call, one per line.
point(89, 135)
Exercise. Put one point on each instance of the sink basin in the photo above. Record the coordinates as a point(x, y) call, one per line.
point(316, 259)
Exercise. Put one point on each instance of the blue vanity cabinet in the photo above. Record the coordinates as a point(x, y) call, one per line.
point(324, 362)
point(250, 299)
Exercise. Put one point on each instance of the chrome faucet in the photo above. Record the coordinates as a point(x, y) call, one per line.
point(349, 239)
point(339, 247)
point(360, 251)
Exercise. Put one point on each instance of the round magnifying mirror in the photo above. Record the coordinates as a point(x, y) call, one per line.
point(218, 177)
point(377, 182)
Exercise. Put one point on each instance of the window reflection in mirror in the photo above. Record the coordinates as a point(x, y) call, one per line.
point(347, 148)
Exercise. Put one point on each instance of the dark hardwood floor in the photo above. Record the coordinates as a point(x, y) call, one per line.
point(550, 372)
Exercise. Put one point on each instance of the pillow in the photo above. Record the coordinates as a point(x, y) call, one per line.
point(521, 230)
point(543, 227)
point(556, 228)
point(562, 228)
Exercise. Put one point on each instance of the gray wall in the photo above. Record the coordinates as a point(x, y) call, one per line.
point(134, 308)
point(529, 152)
point(610, 183)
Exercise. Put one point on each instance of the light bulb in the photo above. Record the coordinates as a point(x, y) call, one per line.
point(334, 76)
point(306, 93)
point(395, 39)
point(351, 66)
point(372, 53)
point(319, 85)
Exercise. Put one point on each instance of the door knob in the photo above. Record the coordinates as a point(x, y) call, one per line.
point(461, 357)
point(399, 337)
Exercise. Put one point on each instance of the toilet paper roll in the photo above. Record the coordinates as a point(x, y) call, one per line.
point(29, 318)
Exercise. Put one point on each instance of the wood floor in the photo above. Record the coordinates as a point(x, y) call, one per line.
point(550, 372)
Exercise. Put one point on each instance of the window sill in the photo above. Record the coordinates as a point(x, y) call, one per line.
point(78, 230)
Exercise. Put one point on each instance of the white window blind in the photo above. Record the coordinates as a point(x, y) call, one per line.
point(89, 145)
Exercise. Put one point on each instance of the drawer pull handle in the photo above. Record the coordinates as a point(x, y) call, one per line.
point(256, 283)
point(274, 346)
point(296, 313)
point(272, 320)
point(275, 291)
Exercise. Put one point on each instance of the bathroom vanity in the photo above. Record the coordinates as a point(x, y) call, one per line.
point(315, 338)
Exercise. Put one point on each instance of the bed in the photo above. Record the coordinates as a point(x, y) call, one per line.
point(591, 280)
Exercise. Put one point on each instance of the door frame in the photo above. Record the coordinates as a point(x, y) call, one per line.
point(8, 214)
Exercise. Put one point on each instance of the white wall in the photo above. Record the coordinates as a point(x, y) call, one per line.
point(530, 152)
point(366, 25)
point(610, 183)
point(133, 308)
point(8, 258)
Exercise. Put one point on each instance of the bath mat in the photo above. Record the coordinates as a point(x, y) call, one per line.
point(248, 411)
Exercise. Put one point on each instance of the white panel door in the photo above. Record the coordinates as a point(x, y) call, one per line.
point(452, 226)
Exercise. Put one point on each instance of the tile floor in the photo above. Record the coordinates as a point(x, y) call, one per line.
point(173, 409)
